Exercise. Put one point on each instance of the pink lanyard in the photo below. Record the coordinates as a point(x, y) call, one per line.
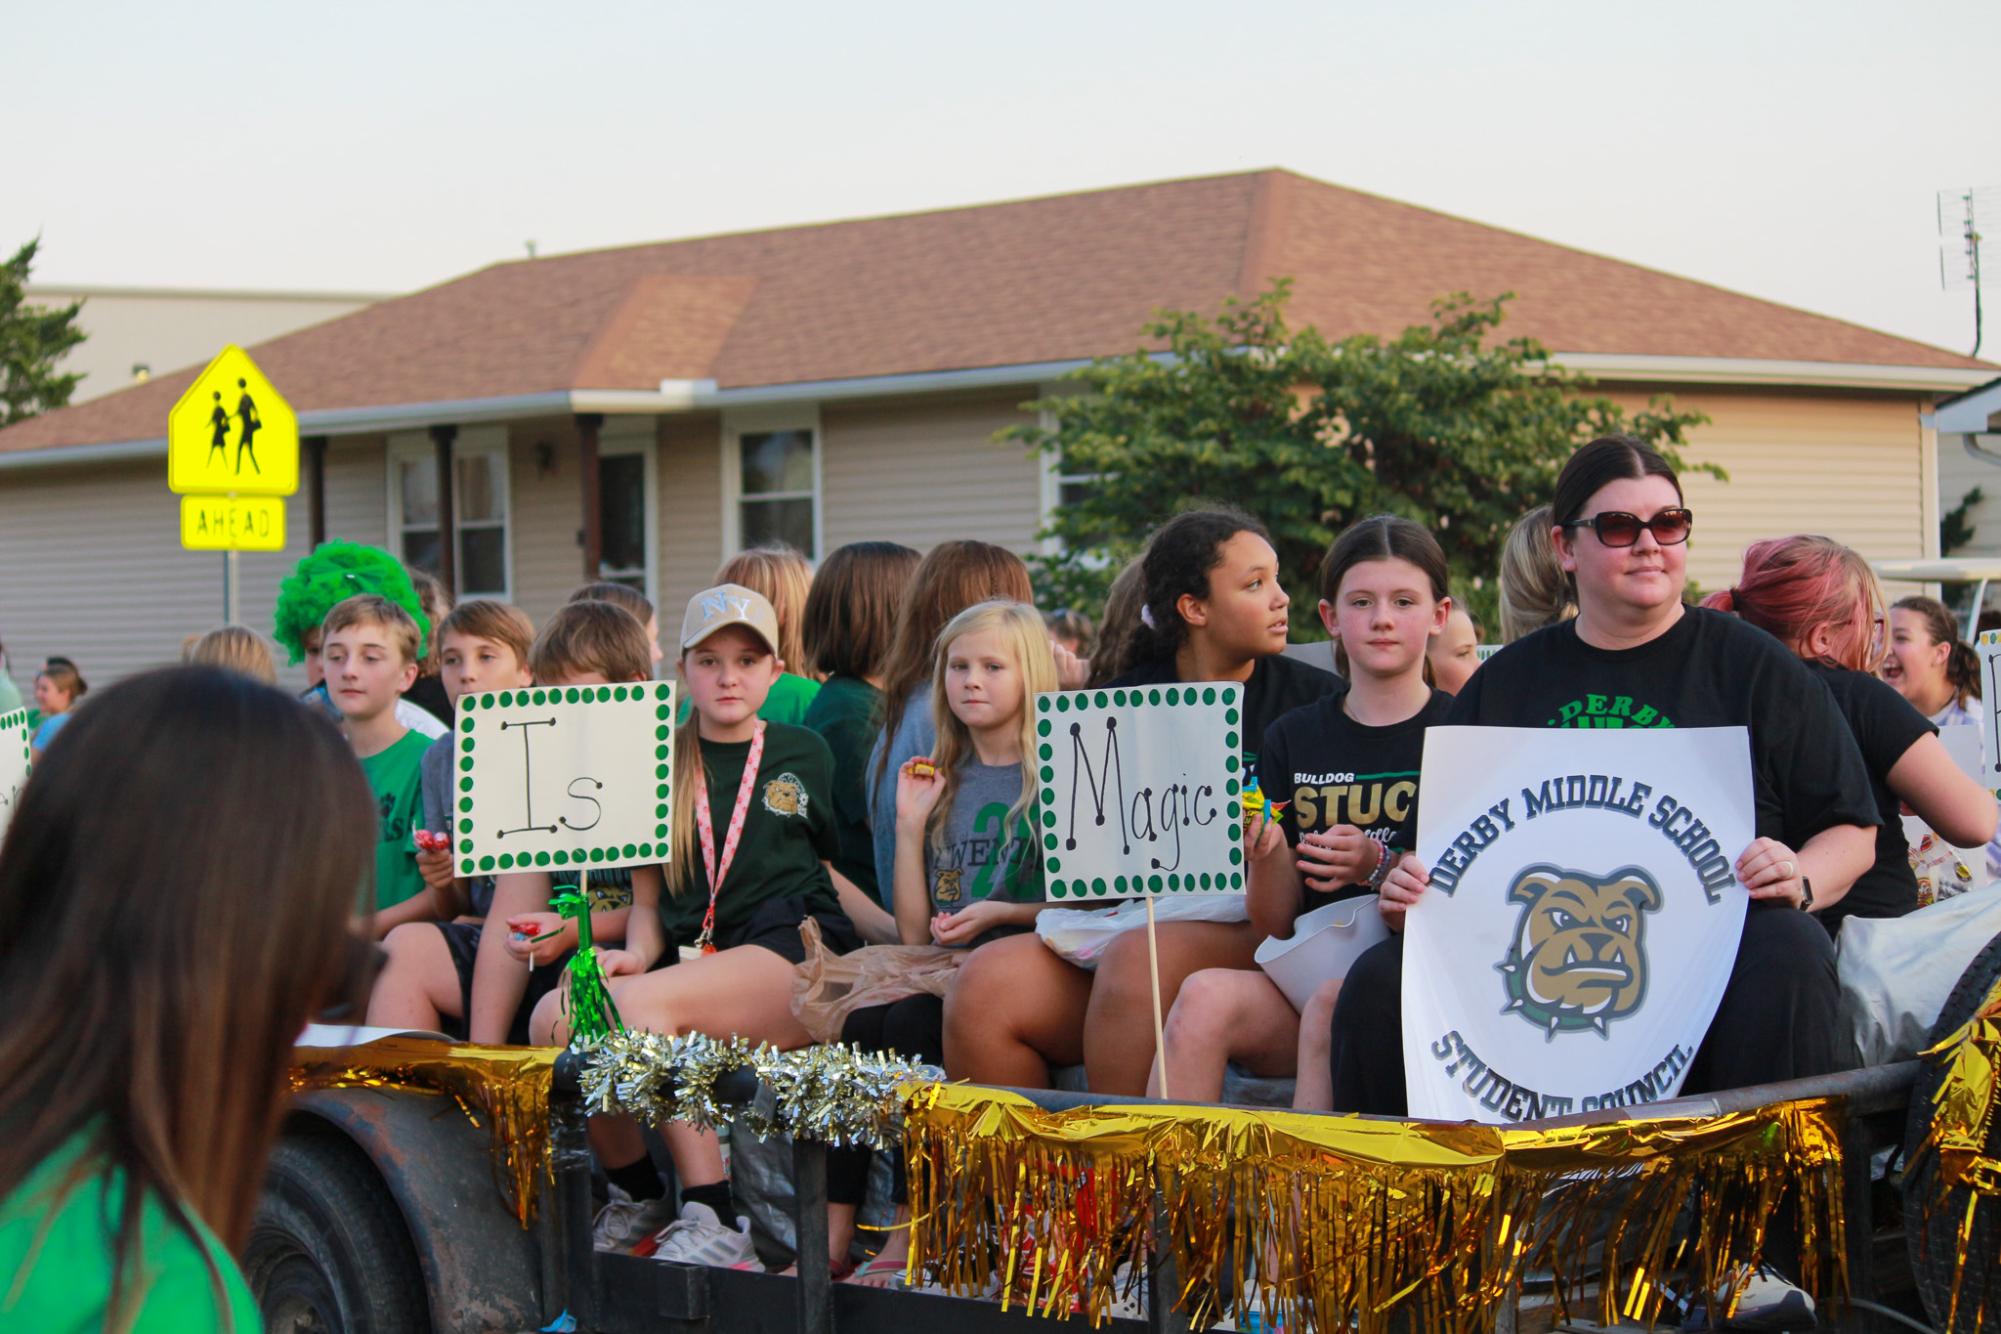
point(705, 826)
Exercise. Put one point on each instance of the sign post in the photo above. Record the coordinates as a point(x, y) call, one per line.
point(232, 453)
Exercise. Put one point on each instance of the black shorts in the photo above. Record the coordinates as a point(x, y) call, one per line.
point(774, 925)
point(462, 941)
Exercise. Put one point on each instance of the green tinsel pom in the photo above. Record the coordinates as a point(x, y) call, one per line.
point(593, 1016)
point(332, 573)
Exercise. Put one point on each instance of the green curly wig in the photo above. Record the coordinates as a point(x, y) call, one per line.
point(334, 572)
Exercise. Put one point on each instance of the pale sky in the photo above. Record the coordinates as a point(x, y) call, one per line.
point(1789, 150)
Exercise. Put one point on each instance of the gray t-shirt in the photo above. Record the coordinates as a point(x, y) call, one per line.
point(983, 858)
point(912, 734)
point(435, 770)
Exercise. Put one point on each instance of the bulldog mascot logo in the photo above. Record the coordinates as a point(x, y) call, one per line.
point(1579, 958)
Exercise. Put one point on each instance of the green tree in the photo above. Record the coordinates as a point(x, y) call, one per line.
point(32, 339)
point(1439, 424)
point(1957, 527)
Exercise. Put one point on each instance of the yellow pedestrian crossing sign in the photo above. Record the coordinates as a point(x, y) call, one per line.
point(231, 432)
point(233, 523)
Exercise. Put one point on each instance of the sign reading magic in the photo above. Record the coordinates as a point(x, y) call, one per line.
point(1582, 917)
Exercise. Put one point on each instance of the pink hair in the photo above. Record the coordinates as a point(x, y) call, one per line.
point(1791, 586)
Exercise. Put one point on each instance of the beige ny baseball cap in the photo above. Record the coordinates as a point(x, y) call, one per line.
point(728, 604)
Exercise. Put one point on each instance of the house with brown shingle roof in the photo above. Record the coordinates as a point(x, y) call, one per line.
point(642, 412)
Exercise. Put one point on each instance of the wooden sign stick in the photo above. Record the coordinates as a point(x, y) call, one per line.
point(1153, 969)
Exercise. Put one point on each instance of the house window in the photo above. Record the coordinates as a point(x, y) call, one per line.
point(777, 486)
point(479, 497)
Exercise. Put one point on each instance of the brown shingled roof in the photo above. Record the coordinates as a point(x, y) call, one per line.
point(1001, 284)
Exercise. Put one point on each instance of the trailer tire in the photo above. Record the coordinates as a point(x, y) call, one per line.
point(328, 1250)
point(1932, 1214)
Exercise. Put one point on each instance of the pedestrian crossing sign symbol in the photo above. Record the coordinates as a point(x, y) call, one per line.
point(232, 433)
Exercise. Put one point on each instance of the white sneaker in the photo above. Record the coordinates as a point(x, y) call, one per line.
point(698, 1237)
point(625, 1222)
point(1766, 1301)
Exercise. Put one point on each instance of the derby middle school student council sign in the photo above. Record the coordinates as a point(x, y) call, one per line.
point(1582, 917)
point(1140, 790)
point(563, 776)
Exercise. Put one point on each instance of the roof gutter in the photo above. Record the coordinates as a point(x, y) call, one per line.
point(674, 396)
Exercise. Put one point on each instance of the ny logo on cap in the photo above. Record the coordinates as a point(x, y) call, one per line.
point(716, 604)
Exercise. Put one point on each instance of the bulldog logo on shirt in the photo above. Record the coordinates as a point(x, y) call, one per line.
point(1578, 960)
point(949, 888)
point(785, 795)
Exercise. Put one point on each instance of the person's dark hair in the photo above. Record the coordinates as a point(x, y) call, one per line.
point(1119, 628)
point(850, 616)
point(167, 940)
point(1382, 537)
point(952, 577)
point(1962, 665)
point(1609, 458)
point(1177, 562)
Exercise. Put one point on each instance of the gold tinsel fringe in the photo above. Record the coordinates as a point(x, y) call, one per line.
point(1964, 1109)
point(506, 1089)
point(1320, 1221)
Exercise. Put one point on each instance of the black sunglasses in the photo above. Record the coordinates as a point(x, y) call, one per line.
point(1616, 528)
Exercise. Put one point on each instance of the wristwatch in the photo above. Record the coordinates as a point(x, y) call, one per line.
point(1806, 894)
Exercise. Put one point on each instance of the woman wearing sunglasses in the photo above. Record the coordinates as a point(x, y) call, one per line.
point(1635, 656)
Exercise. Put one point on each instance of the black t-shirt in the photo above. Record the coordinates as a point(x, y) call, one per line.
point(1335, 771)
point(1885, 726)
point(789, 828)
point(1709, 670)
point(1277, 686)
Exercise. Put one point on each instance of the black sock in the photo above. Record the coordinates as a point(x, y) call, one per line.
point(716, 1195)
point(637, 1179)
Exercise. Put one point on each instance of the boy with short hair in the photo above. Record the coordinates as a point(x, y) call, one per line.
point(371, 647)
point(491, 979)
point(427, 980)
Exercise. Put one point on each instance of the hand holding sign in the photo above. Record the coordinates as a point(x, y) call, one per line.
point(1580, 918)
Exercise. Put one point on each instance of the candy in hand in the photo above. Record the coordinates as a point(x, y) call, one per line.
point(919, 767)
point(429, 842)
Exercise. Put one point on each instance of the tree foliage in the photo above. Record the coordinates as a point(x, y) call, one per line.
point(1441, 423)
point(32, 340)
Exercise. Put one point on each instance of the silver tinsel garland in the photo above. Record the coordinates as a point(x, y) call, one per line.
point(836, 1094)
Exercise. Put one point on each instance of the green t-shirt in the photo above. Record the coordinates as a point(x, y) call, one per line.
point(56, 1253)
point(844, 714)
point(789, 828)
point(395, 776)
point(788, 701)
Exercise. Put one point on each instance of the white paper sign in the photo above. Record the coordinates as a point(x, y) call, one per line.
point(1989, 649)
point(16, 741)
point(1582, 917)
point(558, 776)
point(1140, 790)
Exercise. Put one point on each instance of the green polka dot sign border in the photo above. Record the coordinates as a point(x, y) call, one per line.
point(557, 777)
point(16, 753)
point(1138, 790)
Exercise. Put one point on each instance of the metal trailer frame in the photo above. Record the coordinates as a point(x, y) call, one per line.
point(613, 1294)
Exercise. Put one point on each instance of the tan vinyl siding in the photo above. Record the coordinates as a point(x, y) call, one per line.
point(923, 472)
point(691, 516)
point(1848, 466)
point(95, 571)
point(547, 511)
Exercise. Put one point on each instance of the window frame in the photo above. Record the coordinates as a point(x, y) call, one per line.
point(489, 443)
point(737, 424)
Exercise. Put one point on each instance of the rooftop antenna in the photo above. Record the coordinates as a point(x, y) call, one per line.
point(1959, 242)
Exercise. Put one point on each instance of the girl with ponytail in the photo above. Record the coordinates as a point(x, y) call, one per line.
point(1930, 665)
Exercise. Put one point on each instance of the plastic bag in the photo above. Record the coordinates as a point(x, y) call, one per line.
point(1080, 935)
point(829, 987)
point(1897, 971)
